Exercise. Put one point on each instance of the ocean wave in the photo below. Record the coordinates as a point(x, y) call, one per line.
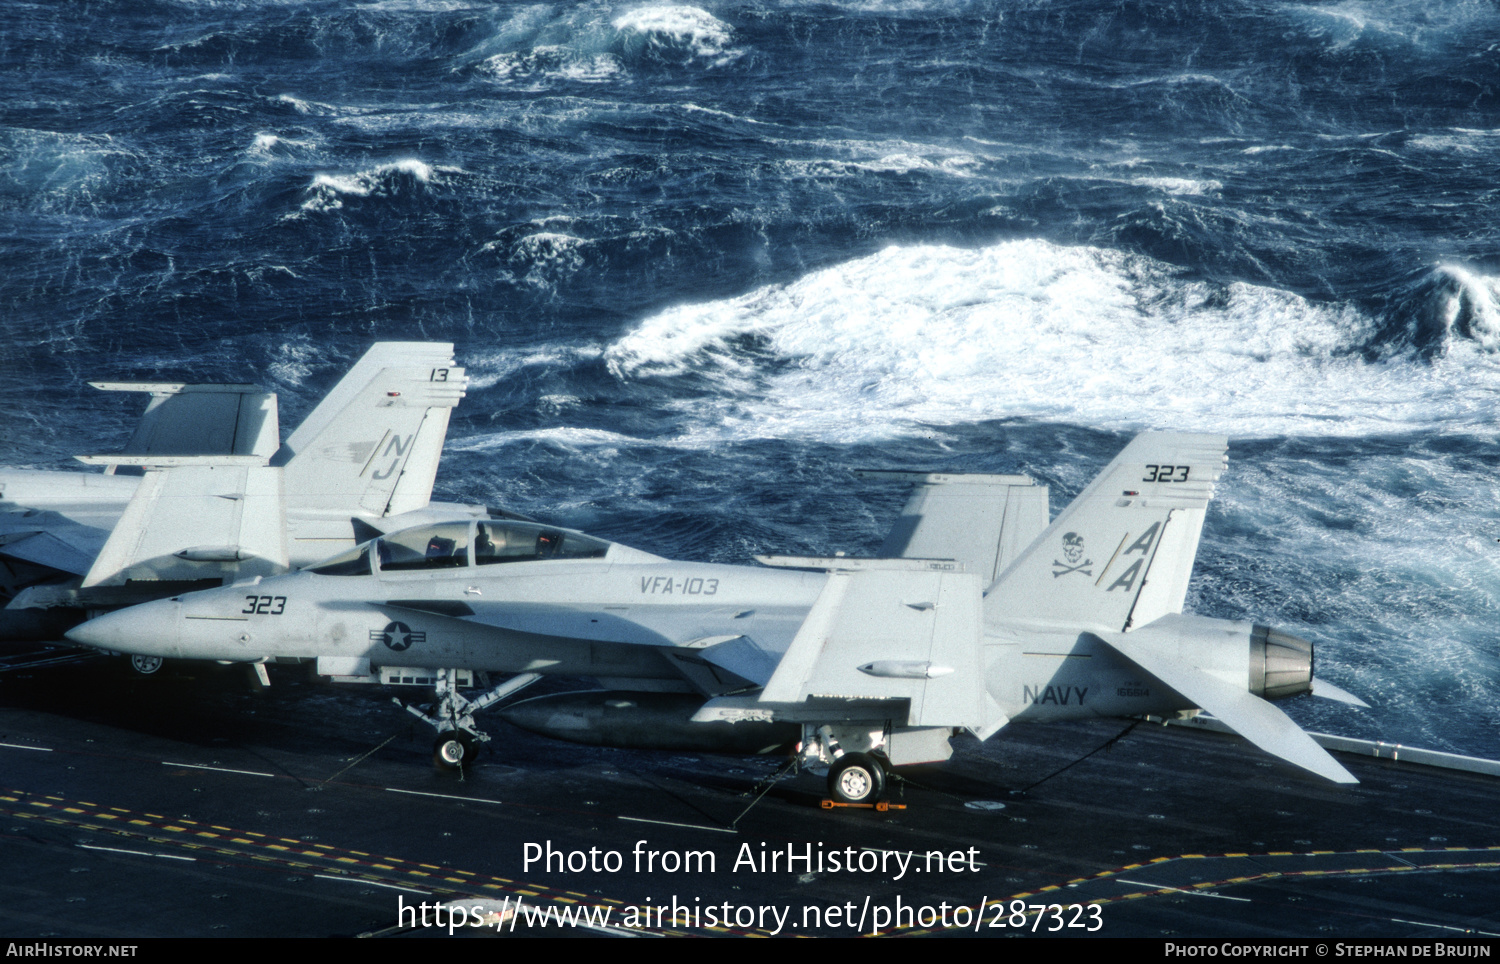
point(327, 191)
point(1445, 308)
point(565, 437)
point(54, 171)
point(595, 44)
point(675, 33)
point(923, 336)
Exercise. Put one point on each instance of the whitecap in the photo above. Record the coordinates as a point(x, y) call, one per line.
point(922, 336)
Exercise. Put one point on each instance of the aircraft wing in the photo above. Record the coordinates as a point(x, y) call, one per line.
point(711, 664)
point(983, 522)
point(1121, 554)
point(51, 540)
point(897, 644)
point(61, 521)
point(197, 517)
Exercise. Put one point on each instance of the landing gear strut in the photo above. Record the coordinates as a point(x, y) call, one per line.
point(459, 740)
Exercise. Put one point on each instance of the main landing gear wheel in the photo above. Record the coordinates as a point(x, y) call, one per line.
point(454, 750)
point(146, 665)
point(856, 778)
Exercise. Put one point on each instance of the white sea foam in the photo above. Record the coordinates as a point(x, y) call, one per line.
point(326, 189)
point(1473, 298)
point(267, 144)
point(595, 44)
point(928, 335)
point(487, 369)
point(1180, 186)
point(563, 436)
point(691, 29)
point(295, 361)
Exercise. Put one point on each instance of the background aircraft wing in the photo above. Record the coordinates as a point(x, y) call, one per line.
point(50, 540)
point(1121, 554)
point(982, 522)
point(202, 419)
point(198, 518)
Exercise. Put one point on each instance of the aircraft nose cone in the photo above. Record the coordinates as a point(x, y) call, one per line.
point(149, 630)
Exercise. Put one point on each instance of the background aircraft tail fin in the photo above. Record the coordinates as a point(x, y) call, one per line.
point(372, 446)
point(1121, 554)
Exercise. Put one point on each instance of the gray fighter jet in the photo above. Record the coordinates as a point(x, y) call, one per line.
point(363, 462)
point(979, 613)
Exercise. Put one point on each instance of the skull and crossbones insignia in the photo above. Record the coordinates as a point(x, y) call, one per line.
point(1072, 547)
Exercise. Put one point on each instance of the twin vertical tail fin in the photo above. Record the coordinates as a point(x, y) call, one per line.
point(371, 447)
point(982, 522)
point(1120, 556)
point(215, 501)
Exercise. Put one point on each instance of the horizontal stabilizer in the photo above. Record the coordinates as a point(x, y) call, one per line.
point(1246, 714)
point(1328, 691)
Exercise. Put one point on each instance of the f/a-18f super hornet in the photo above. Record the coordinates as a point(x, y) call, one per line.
point(978, 614)
point(362, 463)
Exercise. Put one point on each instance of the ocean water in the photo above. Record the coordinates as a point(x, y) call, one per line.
point(703, 260)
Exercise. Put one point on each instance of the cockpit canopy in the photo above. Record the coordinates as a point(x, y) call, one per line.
point(455, 545)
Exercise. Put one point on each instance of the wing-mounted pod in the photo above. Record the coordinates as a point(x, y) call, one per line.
point(1226, 668)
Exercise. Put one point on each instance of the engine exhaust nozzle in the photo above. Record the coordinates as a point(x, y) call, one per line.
point(1281, 664)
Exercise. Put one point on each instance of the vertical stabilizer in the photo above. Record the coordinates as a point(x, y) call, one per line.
point(1120, 556)
point(982, 522)
point(371, 447)
point(202, 419)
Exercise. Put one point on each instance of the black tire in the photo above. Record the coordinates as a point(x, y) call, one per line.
point(856, 778)
point(455, 750)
